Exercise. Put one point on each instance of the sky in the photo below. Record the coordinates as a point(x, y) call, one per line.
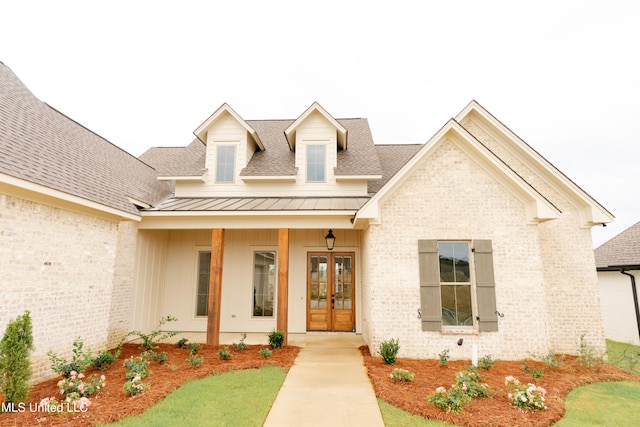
point(563, 75)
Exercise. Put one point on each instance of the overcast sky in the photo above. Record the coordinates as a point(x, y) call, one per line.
point(563, 75)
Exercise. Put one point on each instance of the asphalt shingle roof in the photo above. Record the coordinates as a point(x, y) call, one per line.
point(41, 145)
point(392, 158)
point(621, 250)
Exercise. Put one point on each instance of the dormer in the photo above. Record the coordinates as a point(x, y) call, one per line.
point(230, 142)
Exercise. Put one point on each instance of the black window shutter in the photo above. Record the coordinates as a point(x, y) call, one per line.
point(485, 286)
point(430, 304)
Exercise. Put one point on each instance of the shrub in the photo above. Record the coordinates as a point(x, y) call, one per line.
point(535, 373)
point(194, 360)
point(389, 351)
point(466, 388)
point(150, 341)
point(79, 362)
point(443, 358)
point(224, 353)
point(552, 360)
point(527, 396)
point(194, 348)
point(15, 365)
point(402, 375)
point(276, 338)
point(486, 362)
point(137, 366)
point(240, 345)
point(106, 358)
point(182, 343)
point(135, 386)
point(155, 357)
point(265, 352)
point(75, 387)
point(587, 355)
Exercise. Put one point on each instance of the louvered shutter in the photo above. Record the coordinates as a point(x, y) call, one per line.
point(485, 286)
point(430, 304)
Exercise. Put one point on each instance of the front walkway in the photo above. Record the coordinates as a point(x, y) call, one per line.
point(327, 385)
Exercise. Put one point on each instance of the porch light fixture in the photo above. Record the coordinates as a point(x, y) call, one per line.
point(331, 240)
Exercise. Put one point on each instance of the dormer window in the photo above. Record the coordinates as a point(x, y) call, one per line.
point(316, 163)
point(225, 163)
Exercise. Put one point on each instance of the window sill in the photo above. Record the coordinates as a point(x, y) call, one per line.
point(459, 331)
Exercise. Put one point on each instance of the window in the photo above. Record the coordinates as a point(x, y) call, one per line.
point(264, 283)
point(225, 163)
point(316, 163)
point(455, 283)
point(202, 299)
point(452, 274)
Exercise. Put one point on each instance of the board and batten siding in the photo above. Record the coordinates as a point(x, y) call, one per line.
point(174, 293)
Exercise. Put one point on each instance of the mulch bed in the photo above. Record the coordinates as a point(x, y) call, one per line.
point(112, 403)
point(494, 411)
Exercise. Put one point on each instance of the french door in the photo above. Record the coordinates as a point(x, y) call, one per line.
point(331, 291)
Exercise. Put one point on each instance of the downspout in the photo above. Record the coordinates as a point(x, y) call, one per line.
point(635, 296)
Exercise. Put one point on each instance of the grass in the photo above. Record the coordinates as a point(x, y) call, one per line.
point(219, 400)
point(585, 406)
point(625, 356)
point(397, 417)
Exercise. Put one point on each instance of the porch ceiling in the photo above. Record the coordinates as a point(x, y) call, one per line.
point(258, 204)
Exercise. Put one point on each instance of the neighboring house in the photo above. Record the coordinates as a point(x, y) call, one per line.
point(301, 225)
point(618, 265)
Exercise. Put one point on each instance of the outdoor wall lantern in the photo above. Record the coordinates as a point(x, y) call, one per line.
point(331, 240)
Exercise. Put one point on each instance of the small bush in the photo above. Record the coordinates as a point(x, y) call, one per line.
point(402, 375)
point(106, 358)
point(224, 353)
point(587, 355)
point(389, 351)
point(265, 352)
point(535, 373)
point(135, 386)
point(527, 396)
point(276, 338)
point(194, 360)
point(15, 365)
point(241, 345)
point(443, 358)
point(79, 362)
point(486, 362)
point(552, 360)
point(155, 357)
point(182, 343)
point(137, 366)
point(466, 388)
point(150, 341)
point(76, 387)
point(194, 348)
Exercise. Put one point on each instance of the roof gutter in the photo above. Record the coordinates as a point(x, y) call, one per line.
point(635, 296)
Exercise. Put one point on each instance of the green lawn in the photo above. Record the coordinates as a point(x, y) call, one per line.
point(219, 400)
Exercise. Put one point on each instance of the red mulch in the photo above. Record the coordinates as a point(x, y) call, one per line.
point(494, 411)
point(112, 403)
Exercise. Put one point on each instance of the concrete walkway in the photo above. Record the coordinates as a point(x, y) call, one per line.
point(327, 385)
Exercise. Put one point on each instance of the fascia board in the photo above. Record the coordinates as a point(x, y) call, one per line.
point(201, 131)
point(591, 211)
point(57, 196)
point(289, 132)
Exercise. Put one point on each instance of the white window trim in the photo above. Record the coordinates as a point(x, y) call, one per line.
point(319, 143)
point(275, 291)
point(234, 145)
point(472, 283)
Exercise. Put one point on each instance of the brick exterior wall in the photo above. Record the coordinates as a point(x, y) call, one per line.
point(61, 265)
point(543, 272)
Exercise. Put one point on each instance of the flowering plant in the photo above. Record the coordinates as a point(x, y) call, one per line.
point(48, 404)
point(527, 396)
point(466, 388)
point(75, 387)
point(135, 386)
point(401, 375)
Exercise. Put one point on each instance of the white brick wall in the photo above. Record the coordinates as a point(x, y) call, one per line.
point(542, 272)
point(59, 265)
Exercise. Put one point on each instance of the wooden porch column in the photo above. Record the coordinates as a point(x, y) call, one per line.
point(283, 283)
point(215, 286)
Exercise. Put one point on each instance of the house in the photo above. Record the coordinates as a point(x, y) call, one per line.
point(618, 266)
point(471, 240)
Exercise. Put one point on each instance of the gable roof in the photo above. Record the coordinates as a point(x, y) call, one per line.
point(622, 250)
point(45, 151)
point(392, 158)
point(290, 131)
point(538, 208)
point(591, 212)
point(201, 131)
